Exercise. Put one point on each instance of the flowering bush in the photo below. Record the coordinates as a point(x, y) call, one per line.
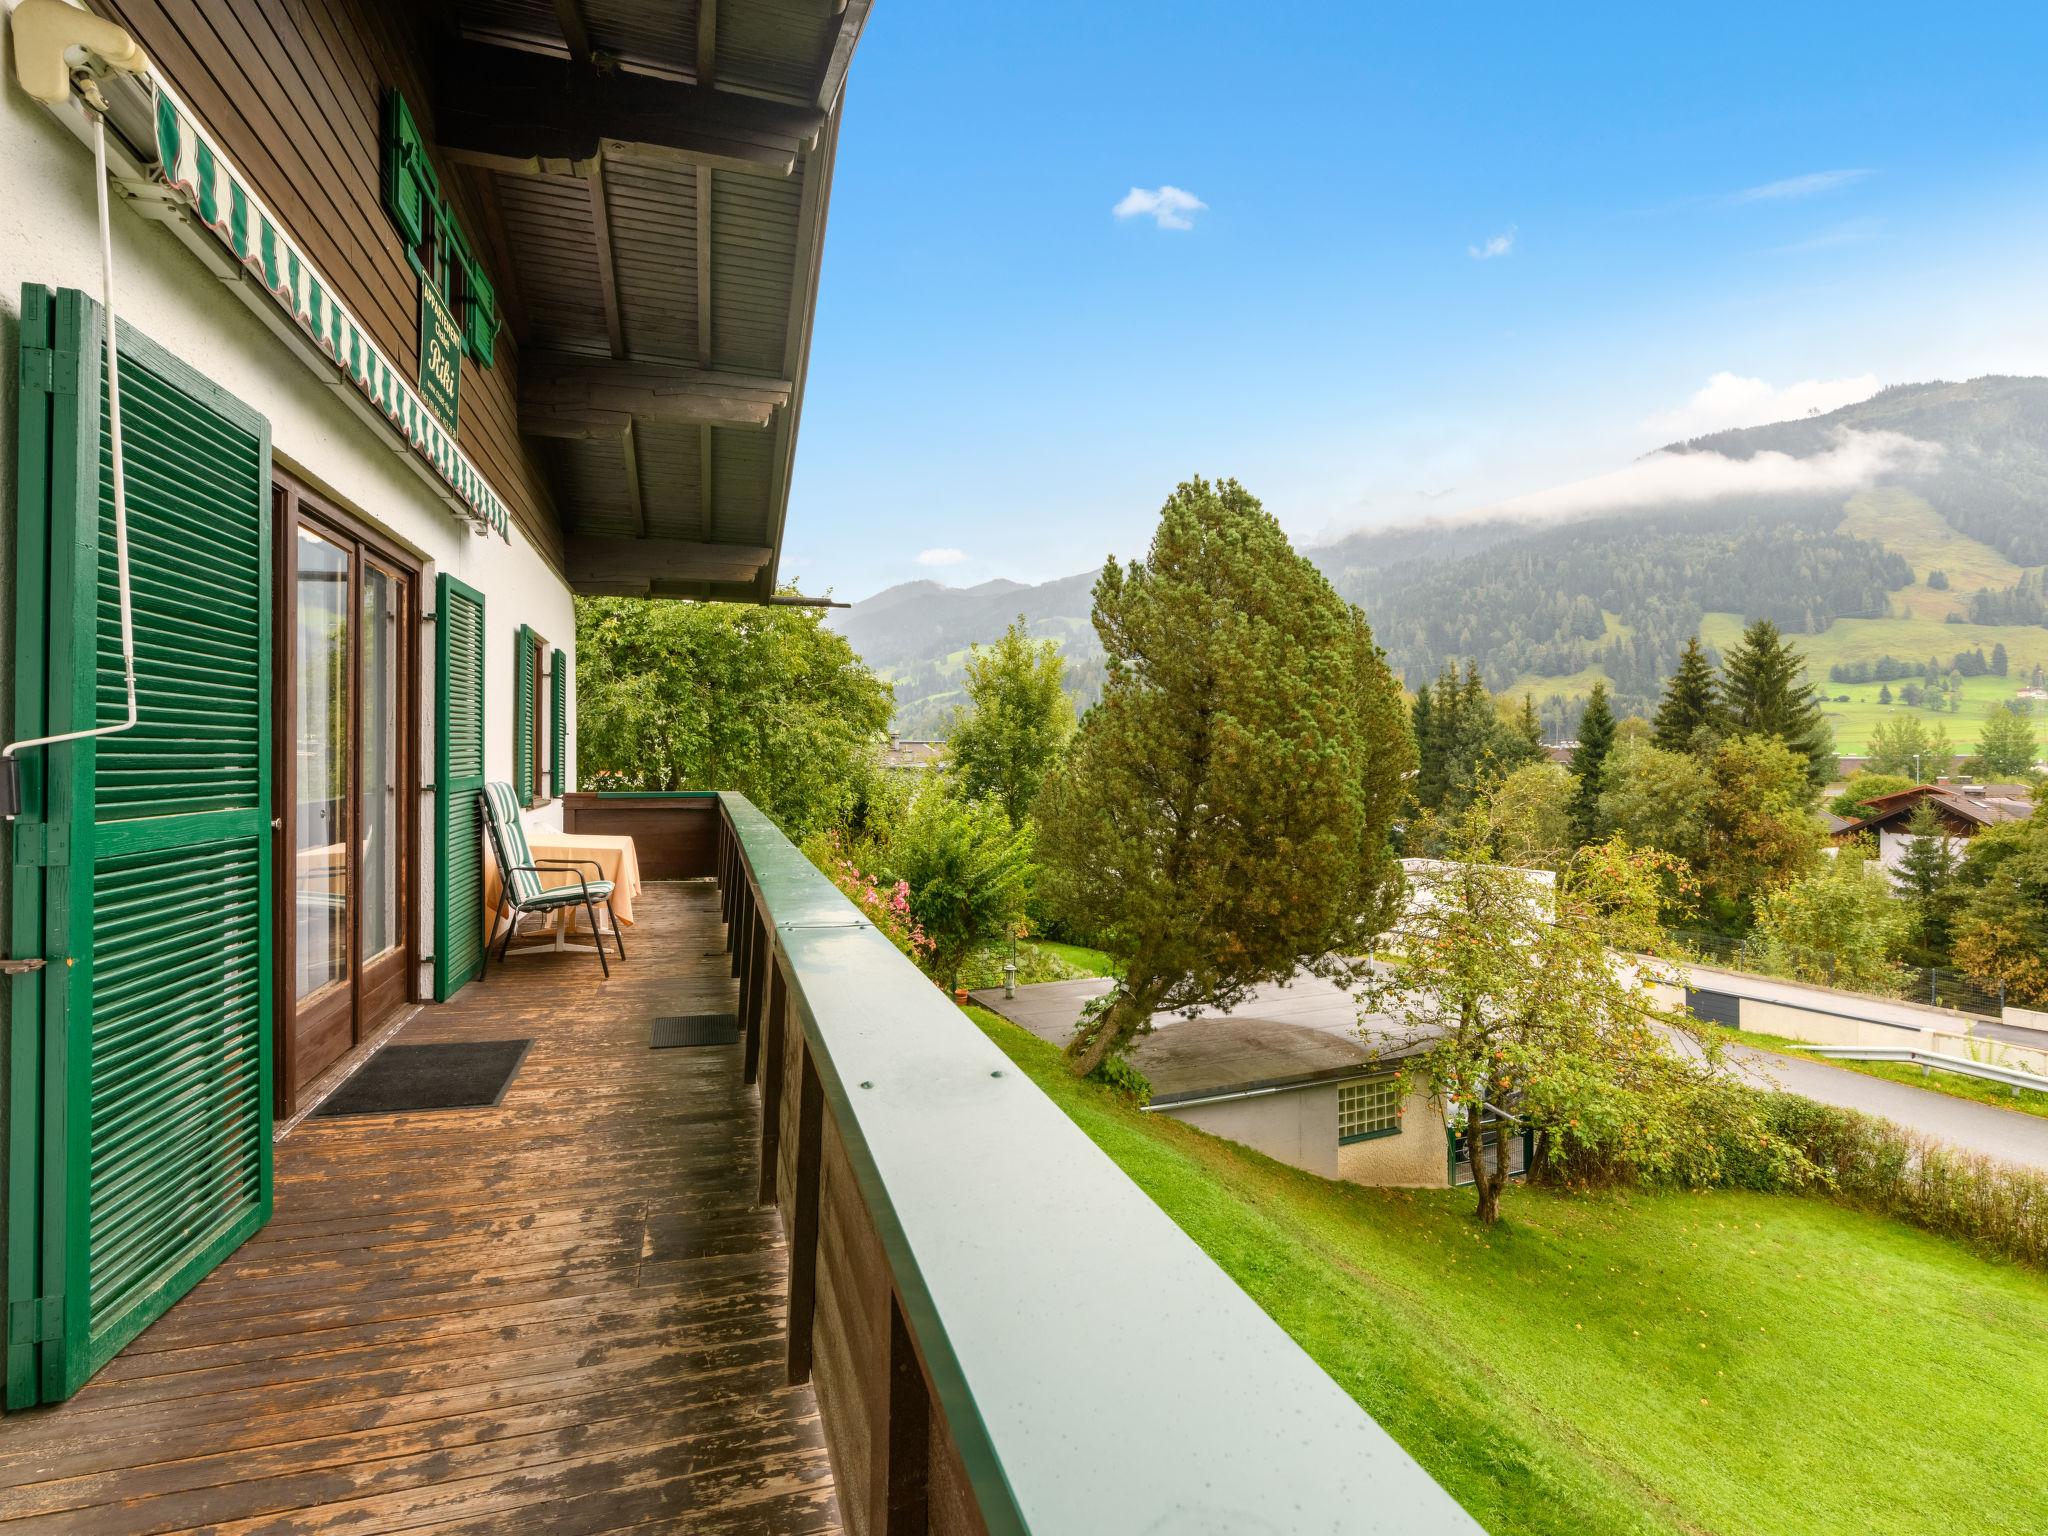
point(886, 906)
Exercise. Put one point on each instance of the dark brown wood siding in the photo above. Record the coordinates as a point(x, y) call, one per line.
point(293, 91)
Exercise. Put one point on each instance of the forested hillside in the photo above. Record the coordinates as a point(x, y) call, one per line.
point(1950, 539)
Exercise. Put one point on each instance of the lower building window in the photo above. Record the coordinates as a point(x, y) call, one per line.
point(1366, 1110)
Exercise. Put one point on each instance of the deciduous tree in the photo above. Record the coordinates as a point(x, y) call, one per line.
point(2006, 745)
point(1906, 745)
point(1839, 925)
point(1222, 817)
point(1657, 798)
point(1759, 832)
point(765, 700)
point(968, 871)
point(1016, 723)
point(1524, 1020)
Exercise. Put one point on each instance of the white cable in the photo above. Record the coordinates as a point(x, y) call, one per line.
point(99, 160)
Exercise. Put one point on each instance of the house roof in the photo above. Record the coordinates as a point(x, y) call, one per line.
point(1295, 1035)
point(913, 754)
point(655, 180)
point(1974, 805)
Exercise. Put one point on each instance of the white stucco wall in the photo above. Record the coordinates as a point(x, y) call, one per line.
point(48, 235)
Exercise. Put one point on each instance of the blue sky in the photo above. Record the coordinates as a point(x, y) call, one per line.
point(1445, 256)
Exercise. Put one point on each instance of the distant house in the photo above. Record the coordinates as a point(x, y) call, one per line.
point(1288, 1074)
point(1964, 810)
point(2032, 695)
point(915, 756)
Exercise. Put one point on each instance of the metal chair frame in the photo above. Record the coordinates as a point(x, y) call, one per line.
point(518, 909)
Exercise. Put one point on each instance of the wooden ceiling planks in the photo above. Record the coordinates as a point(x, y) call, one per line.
point(666, 227)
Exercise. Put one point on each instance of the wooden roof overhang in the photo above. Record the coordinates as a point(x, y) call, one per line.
point(655, 178)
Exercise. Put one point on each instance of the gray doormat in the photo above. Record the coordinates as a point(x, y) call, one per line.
point(452, 1074)
point(695, 1029)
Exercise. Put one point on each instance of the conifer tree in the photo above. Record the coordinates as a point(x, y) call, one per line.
point(1927, 881)
point(1766, 694)
point(1222, 817)
point(1529, 726)
point(1691, 703)
point(1589, 758)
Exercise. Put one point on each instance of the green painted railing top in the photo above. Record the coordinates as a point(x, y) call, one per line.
point(1099, 1372)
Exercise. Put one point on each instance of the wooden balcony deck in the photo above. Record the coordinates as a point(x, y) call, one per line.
point(564, 1314)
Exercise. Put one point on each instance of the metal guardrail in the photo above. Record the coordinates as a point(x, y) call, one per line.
point(963, 1258)
point(2011, 1076)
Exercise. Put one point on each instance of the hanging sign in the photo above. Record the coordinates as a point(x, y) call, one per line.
point(440, 353)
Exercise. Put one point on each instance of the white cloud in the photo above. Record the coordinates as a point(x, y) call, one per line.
point(1499, 245)
point(942, 557)
point(1663, 478)
point(1729, 400)
point(1793, 188)
point(1169, 206)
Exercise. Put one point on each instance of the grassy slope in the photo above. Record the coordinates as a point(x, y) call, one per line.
point(1699, 1363)
point(1091, 962)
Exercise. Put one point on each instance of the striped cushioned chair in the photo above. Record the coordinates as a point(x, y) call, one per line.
point(520, 875)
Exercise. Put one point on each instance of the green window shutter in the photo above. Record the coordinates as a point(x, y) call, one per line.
point(148, 877)
point(558, 719)
point(458, 778)
point(479, 312)
point(409, 183)
point(523, 663)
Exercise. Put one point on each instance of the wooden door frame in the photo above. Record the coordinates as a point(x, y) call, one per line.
point(293, 503)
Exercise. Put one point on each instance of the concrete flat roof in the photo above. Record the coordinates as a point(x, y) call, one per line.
point(1292, 1034)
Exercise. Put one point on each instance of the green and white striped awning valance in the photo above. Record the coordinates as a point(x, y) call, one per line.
point(191, 164)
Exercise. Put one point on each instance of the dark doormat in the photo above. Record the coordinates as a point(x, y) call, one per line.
point(452, 1074)
point(695, 1029)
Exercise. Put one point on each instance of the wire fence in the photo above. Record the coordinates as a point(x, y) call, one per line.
point(1907, 983)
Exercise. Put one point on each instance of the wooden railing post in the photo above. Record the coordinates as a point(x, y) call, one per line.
point(905, 1437)
point(760, 965)
point(772, 1073)
point(803, 1220)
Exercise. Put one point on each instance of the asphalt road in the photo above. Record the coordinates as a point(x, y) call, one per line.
point(2002, 1133)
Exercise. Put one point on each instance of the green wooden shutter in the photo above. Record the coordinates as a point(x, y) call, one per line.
point(458, 778)
point(524, 648)
point(144, 861)
point(558, 702)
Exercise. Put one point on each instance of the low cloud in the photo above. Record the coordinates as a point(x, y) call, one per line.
point(1169, 207)
point(1499, 245)
point(1665, 478)
point(1792, 188)
point(1729, 400)
point(942, 557)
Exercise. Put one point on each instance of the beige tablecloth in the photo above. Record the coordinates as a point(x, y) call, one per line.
point(612, 852)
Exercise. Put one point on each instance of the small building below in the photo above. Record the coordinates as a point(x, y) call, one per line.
point(1289, 1074)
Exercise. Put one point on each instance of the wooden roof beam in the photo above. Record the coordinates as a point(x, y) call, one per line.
point(853, 16)
point(510, 109)
point(707, 42)
point(625, 566)
point(570, 15)
point(607, 266)
point(568, 395)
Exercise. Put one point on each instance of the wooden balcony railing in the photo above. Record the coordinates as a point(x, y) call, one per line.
point(1004, 1333)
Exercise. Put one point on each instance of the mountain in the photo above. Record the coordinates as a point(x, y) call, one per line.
point(1910, 524)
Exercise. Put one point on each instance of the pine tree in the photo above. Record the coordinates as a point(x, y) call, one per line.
point(1927, 882)
point(1248, 724)
point(1884, 693)
point(1767, 695)
point(1529, 727)
point(2000, 662)
point(1589, 757)
point(1432, 729)
point(1691, 701)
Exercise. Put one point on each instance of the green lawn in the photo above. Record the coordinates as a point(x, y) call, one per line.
point(1982, 1090)
point(1091, 962)
point(1652, 1363)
